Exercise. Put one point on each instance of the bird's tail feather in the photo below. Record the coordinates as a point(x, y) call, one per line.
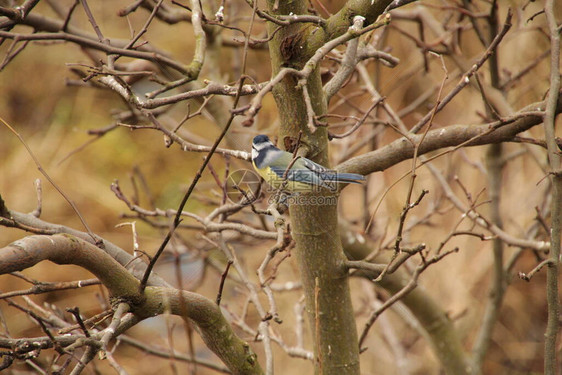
point(333, 179)
point(350, 177)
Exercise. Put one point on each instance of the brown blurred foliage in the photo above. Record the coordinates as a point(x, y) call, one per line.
point(42, 98)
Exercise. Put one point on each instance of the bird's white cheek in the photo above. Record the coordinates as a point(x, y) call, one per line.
point(254, 153)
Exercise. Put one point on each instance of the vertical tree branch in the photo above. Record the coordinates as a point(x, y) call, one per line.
point(495, 165)
point(496, 291)
point(555, 161)
point(318, 247)
point(200, 40)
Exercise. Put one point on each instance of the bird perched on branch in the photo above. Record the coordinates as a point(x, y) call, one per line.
point(280, 169)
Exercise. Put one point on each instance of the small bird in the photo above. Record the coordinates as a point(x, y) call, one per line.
point(304, 175)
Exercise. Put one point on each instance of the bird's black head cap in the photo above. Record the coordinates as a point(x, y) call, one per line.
point(262, 138)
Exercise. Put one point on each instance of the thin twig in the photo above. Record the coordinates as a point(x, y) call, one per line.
point(223, 279)
point(177, 218)
point(95, 238)
point(465, 79)
point(528, 276)
point(412, 284)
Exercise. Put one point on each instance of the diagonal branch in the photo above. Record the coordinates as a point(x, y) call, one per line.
point(452, 136)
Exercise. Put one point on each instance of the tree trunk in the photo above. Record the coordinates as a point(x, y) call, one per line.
point(314, 219)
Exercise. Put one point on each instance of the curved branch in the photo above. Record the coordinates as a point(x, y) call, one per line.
point(67, 249)
point(35, 225)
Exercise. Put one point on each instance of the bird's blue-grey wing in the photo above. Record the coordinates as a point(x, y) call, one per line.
point(325, 177)
point(315, 167)
point(302, 175)
point(308, 172)
point(329, 177)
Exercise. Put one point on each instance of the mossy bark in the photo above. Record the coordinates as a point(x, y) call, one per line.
point(314, 220)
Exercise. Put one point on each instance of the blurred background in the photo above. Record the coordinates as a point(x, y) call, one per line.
point(64, 121)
